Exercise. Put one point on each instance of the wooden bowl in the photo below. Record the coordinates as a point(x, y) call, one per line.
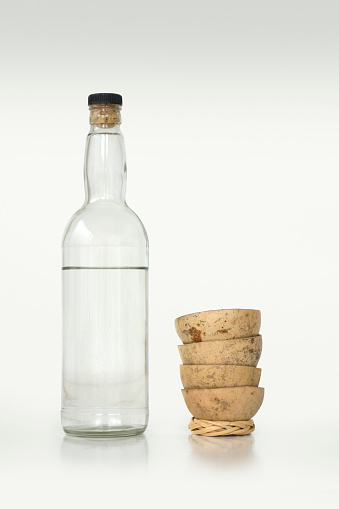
point(219, 324)
point(215, 376)
point(225, 404)
point(236, 352)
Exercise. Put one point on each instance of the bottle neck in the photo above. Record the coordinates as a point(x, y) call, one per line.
point(105, 157)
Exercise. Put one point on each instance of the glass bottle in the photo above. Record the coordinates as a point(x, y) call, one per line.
point(105, 293)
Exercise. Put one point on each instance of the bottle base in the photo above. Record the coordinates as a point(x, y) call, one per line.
point(104, 423)
point(104, 432)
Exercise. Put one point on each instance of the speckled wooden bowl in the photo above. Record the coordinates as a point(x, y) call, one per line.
point(214, 376)
point(219, 324)
point(226, 404)
point(236, 352)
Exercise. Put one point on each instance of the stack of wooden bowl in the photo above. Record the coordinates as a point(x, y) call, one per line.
point(220, 352)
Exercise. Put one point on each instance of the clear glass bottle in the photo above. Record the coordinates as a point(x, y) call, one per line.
point(105, 293)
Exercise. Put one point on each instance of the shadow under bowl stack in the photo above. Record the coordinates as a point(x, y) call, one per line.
point(220, 353)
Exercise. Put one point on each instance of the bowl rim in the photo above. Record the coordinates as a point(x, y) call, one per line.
point(217, 366)
point(217, 341)
point(214, 310)
point(226, 388)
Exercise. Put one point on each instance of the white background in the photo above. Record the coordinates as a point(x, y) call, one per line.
point(231, 121)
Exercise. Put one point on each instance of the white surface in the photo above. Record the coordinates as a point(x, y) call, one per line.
point(231, 126)
point(283, 464)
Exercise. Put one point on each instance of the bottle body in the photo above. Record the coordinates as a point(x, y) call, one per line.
point(105, 303)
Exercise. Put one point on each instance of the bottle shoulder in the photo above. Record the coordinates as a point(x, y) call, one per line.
point(104, 223)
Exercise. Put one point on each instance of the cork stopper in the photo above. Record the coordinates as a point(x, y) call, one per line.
point(105, 115)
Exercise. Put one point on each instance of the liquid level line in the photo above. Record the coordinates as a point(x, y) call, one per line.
point(104, 268)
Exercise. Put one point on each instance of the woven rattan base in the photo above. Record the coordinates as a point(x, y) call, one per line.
point(220, 428)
